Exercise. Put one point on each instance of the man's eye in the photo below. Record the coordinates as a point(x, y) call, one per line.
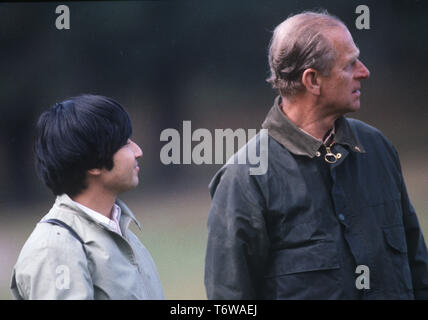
point(351, 64)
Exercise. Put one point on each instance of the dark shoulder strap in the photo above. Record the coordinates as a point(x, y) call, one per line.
point(65, 226)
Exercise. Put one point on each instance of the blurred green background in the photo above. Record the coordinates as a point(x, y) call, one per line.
point(170, 61)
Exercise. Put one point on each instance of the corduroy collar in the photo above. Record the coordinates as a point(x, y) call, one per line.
point(300, 143)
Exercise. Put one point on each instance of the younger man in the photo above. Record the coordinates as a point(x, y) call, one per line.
point(83, 249)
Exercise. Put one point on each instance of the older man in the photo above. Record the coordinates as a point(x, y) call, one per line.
point(333, 201)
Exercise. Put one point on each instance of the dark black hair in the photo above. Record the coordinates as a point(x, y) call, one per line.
point(77, 135)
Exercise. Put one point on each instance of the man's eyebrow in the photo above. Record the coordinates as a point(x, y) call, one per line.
point(354, 55)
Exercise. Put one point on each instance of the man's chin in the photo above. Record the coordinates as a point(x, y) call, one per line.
point(128, 187)
point(135, 184)
point(354, 107)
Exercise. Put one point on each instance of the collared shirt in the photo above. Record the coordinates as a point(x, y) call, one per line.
point(301, 230)
point(112, 224)
point(327, 137)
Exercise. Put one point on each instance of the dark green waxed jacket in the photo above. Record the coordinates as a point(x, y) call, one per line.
point(300, 230)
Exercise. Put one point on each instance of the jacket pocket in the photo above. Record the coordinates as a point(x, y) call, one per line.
point(396, 238)
point(399, 270)
point(319, 255)
point(306, 272)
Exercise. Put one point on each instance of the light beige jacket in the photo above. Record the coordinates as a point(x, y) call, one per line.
point(54, 265)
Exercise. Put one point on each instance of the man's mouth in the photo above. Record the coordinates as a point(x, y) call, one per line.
point(356, 92)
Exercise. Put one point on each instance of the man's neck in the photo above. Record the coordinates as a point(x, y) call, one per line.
point(308, 117)
point(101, 202)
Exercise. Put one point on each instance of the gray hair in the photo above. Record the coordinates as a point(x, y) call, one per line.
point(297, 44)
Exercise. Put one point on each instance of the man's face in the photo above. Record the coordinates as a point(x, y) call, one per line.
point(340, 91)
point(124, 174)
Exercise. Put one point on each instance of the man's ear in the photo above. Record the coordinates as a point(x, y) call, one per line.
point(312, 81)
point(94, 172)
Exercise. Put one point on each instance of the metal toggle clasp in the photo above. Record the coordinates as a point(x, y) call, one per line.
point(331, 157)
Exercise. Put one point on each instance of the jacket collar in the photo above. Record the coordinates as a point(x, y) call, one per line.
point(64, 201)
point(127, 212)
point(300, 143)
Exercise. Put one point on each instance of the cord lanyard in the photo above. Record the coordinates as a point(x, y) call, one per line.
point(328, 143)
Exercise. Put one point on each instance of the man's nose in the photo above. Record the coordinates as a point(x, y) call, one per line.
point(363, 72)
point(137, 150)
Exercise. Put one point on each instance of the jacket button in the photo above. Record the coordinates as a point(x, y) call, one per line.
point(341, 217)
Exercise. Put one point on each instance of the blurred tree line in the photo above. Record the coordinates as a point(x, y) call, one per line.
point(169, 61)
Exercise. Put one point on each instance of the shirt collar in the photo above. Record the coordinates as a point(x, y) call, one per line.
point(121, 210)
point(327, 138)
point(110, 223)
point(298, 141)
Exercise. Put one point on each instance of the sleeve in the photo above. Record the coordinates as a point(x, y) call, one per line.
point(416, 248)
point(55, 268)
point(237, 244)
